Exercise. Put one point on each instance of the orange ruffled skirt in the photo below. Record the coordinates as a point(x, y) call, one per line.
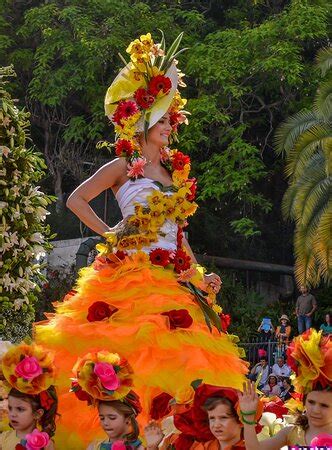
point(163, 359)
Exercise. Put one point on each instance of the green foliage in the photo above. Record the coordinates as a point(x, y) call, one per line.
point(306, 140)
point(249, 66)
point(247, 308)
point(23, 236)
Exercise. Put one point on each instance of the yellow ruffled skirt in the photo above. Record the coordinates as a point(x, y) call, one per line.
point(163, 359)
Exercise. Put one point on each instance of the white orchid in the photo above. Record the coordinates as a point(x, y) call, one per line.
point(37, 237)
point(271, 425)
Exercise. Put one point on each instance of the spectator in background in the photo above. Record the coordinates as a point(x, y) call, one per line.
point(283, 330)
point(286, 389)
point(266, 329)
point(271, 388)
point(260, 372)
point(327, 326)
point(306, 305)
point(281, 369)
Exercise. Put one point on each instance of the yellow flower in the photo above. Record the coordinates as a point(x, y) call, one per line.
point(147, 41)
point(156, 198)
point(178, 102)
point(170, 209)
point(131, 120)
point(144, 220)
point(138, 59)
point(188, 208)
point(127, 242)
point(135, 46)
point(217, 309)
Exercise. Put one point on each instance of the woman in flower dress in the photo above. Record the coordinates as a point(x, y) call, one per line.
point(144, 296)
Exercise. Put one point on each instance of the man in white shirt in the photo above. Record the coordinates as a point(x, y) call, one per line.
point(281, 369)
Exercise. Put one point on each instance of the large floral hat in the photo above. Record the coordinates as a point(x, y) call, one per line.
point(310, 357)
point(144, 90)
point(104, 376)
point(29, 368)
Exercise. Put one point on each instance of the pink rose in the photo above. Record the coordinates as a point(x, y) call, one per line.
point(107, 376)
point(322, 440)
point(28, 368)
point(119, 445)
point(37, 440)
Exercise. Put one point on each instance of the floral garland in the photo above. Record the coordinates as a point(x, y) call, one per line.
point(29, 369)
point(175, 203)
point(104, 376)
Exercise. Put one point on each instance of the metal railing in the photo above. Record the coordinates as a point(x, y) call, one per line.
point(273, 349)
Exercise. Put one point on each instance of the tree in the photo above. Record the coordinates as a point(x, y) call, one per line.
point(306, 140)
point(23, 236)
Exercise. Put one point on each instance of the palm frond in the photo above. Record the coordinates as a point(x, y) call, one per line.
point(323, 100)
point(322, 244)
point(327, 149)
point(324, 59)
point(309, 142)
point(296, 196)
point(304, 258)
point(290, 131)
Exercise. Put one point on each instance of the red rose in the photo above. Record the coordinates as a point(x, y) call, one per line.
point(225, 320)
point(100, 311)
point(160, 257)
point(193, 189)
point(181, 261)
point(124, 148)
point(159, 83)
point(143, 98)
point(178, 318)
point(80, 394)
point(179, 160)
point(20, 447)
point(46, 400)
point(160, 406)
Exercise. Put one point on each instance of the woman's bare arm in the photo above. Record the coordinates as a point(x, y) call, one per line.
point(108, 176)
point(188, 249)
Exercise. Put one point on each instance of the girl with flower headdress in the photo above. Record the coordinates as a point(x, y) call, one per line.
point(145, 295)
point(32, 399)
point(310, 356)
point(211, 423)
point(104, 380)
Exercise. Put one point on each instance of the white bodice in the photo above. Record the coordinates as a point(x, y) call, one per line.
point(137, 191)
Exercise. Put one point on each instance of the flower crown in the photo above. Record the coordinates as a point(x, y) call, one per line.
point(29, 368)
point(144, 90)
point(104, 376)
point(310, 357)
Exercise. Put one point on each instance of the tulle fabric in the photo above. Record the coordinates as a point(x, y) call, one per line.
point(163, 360)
